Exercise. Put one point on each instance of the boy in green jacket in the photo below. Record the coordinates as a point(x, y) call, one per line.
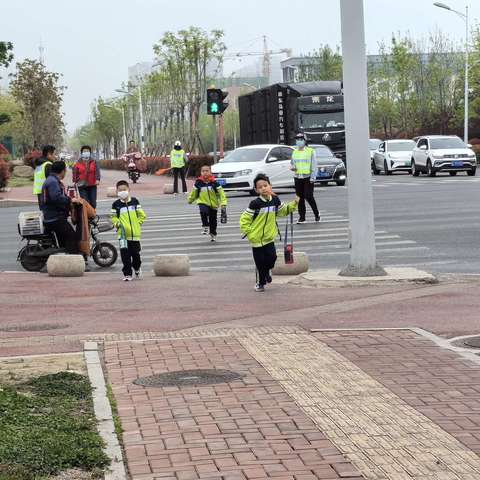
point(128, 217)
point(259, 224)
point(208, 195)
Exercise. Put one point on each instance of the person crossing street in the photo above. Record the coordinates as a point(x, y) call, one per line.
point(304, 165)
point(178, 160)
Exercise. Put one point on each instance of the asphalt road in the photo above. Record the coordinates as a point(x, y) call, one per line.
point(431, 223)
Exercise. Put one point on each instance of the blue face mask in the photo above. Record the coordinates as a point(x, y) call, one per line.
point(300, 143)
point(85, 155)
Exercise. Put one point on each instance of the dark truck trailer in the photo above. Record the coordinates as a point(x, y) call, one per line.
point(275, 114)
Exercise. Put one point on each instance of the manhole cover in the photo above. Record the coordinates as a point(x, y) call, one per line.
point(188, 377)
point(472, 342)
point(32, 328)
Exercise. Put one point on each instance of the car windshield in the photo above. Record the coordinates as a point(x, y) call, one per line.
point(323, 151)
point(374, 143)
point(322, 120)
point(406, 146)
point(244, 155)
point(447, 142)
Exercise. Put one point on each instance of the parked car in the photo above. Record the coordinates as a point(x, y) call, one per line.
point(393, 156)
point(442, 153)
point(330, 167)
point(373, 144)
point(238, 169)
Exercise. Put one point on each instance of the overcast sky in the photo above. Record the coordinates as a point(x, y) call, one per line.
point(92, 42)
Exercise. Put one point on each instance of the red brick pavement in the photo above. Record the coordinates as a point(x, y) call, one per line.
point(245, 429)
point(439, 383)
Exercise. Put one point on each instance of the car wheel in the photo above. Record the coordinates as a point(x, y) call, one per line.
point(452, 174)
point(375, 170)
point(472, 172)
point(414, 170)
point(340, 183)
point(385, 168)
point(430, 171)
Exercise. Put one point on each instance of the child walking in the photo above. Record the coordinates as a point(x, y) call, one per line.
point(208, 195)
point(128, 217)
point(259, 224)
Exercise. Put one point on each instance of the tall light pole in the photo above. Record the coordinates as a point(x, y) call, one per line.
point(142, 125)
point(465, 18)
point(363, 255)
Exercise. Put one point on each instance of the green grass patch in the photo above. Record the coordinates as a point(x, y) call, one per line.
point(47, 425)
point(19, 182)
point(116, 419)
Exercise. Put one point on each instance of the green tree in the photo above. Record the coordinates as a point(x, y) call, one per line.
point(6, 53)
point(15, 125)
point(323, 64)
point(38, 91)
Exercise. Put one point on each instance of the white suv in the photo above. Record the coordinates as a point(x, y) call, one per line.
point(439, 153)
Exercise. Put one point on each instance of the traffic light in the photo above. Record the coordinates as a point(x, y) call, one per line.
point(215, 101)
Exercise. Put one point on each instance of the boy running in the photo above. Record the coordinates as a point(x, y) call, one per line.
point(259, 224)
point(128, 217)
point(209, 195)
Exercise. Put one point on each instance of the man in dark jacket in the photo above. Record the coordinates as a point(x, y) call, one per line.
point(56, 208)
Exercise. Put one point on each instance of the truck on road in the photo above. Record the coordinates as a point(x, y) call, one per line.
point(275, 114)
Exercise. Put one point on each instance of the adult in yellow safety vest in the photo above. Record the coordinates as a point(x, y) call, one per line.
point(178, 160)
point(42, 170)
point(304, 164)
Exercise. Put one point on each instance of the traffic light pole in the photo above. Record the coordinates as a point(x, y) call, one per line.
point(214, 118)
point(221, 125)
point(363, 258)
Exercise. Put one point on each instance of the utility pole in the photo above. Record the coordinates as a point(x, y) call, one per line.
point(363, 258)
point(221, 125)
point(214, 118)
point(125, 146)
point(142, 125)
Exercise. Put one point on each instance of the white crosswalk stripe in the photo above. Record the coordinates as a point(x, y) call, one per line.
point(182, 234)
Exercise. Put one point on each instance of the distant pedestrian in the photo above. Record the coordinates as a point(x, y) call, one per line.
point(208, 195)
point(304, 165)
point(128, 217)
point(86, 175)
point(178, 160)
point(259, 224)
point(42, 166)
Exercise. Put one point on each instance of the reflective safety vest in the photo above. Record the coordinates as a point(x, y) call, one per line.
point(302, 160)
point(39, 178)
point(177, 158)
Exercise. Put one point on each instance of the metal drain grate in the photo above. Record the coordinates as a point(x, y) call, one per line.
point(32, 328)
point(473, 342)
point(189, 377)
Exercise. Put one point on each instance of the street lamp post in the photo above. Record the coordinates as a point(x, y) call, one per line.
point(142, 126)
point(123, 124)
point(465, 17)
point(363, 256)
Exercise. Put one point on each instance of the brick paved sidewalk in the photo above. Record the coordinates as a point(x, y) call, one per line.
point(352, 405)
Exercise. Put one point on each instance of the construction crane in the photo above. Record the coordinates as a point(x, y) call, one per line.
point(266, 53)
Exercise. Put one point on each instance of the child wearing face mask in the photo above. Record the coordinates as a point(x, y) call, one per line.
point(128, 217)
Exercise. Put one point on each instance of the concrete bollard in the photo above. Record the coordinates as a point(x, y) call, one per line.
point(176, 265)
point(168, 188)
point(65, 265)
point(299, 265)
point(112, 192)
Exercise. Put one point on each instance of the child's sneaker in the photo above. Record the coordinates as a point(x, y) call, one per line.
point(300, 221)
point(205, 231)
point(317, 219)
point(213, 238)
point(269, 278)
point(138, 274)
point(127, 278)
point(259, 287)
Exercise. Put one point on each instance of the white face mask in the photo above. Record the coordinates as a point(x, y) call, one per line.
point(85, 155)
point(123, 195)
point(300, 143)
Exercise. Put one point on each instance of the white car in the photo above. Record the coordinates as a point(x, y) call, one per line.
point(239, 168)
point(393, 156)
point(441, 153)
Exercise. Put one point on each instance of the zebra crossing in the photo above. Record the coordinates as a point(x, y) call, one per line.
point(423, 182)
point(326, 243)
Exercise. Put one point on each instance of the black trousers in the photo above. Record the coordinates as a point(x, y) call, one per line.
point(66, 235)
point(131, 257)
point(39, 198)
point(89, 194)
point(304, 189)
point(209, 218)
point(265, 258)
point(181, 172)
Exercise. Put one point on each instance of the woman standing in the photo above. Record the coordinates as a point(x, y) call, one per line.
point(86, 175)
